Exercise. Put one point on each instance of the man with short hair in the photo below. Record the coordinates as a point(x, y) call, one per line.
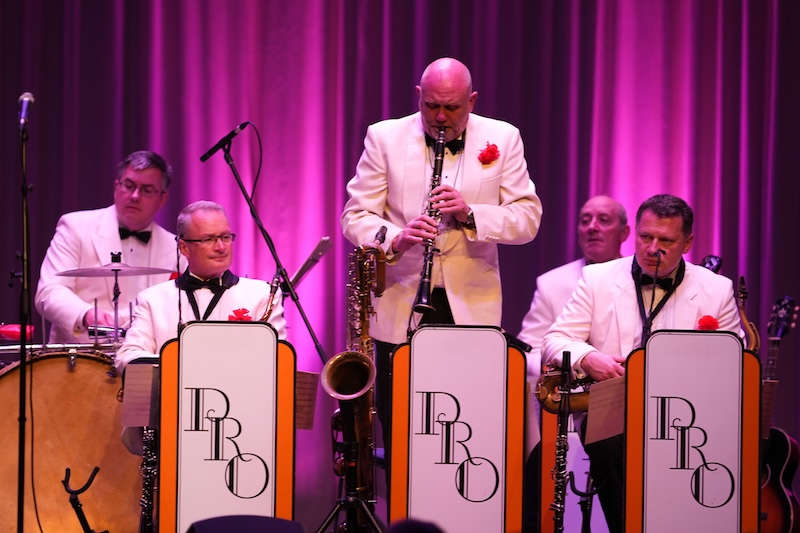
point(485, 197)
point(88, 238)
point(616, 306)
point(208, 290)
point(602, 228)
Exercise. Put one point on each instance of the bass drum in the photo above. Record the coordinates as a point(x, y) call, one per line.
point(75, 422)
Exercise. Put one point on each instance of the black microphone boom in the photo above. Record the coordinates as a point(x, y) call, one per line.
point(225, 140)
point(25, 102)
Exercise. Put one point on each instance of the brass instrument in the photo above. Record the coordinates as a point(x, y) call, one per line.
point(549, 392)
point(273, 290)
point(422, 302)
point(349, 377)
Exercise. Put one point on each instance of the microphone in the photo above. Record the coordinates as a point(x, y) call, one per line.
point(222, 142)
point(25, 102)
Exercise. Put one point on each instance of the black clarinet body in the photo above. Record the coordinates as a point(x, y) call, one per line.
point(422, 302)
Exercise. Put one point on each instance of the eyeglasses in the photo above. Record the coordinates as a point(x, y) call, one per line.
point(146, 190)
point(226, 238)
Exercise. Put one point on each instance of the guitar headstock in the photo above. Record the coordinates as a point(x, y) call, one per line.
point(782, 318)
point(712, 262)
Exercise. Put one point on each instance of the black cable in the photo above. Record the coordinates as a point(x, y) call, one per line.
point(260, 161)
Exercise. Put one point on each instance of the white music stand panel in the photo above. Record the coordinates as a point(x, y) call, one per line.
point(227, 421)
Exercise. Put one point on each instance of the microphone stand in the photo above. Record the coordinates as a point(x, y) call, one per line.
point(24, 320)
point(279, 269)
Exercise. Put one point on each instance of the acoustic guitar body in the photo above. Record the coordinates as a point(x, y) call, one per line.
point(780, 510)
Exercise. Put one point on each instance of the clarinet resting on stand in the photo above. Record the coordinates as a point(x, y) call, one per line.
point(561, 476)
point(422, 302)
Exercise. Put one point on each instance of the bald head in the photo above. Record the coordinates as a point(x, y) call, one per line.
point(447, 72)
point(602, 228)
point(446, 97)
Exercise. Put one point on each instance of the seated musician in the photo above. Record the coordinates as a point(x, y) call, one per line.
point(208, 290)
point(602, 228)
point(616, 306)
point(87, 239)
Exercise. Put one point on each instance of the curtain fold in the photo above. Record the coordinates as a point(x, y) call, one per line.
point(695, 98)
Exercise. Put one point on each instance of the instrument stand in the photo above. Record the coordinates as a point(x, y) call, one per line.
point(279, 269)
point(585, 501)
point(75, 502)
point(351, 503)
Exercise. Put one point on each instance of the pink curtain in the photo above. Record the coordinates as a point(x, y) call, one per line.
point(695, 98)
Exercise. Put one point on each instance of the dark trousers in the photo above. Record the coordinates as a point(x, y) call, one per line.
point(606, 463)
point(383, 366)
point(531, 491)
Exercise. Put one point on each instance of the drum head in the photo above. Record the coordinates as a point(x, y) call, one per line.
point(74, 422)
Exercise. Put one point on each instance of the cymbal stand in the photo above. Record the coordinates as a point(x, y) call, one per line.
point(116, 257)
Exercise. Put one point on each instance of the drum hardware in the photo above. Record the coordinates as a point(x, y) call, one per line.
point(75, 502)
point(115, 269)
point(77, 424)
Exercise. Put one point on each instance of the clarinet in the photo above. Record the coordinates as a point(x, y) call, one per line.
point(149, 471)
point(561, 476)
point(422, 302)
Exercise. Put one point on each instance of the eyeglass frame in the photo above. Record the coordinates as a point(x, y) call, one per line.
point(147, 193)
point(212, 240)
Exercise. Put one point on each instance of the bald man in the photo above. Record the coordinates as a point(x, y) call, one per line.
point(486, 197)
point(602, 228)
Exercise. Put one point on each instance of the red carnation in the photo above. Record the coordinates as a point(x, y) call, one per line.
point(707, 323)
point(489, 154)
point(240, 315)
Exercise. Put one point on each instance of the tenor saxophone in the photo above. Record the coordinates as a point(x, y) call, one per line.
point(350, 375)
point(422, 302)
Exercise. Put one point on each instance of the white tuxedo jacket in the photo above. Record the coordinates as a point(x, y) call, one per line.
point(86, 239)
point(156, 314)
point(553, 289)
point(602, 314)
point(390, 188)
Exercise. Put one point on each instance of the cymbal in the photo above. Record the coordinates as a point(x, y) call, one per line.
point(107, 271)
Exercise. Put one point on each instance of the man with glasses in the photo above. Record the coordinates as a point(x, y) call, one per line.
point(87, 239)
point(208, 290)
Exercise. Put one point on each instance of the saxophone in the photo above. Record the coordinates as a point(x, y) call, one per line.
point(422, 302)
point(349, 376)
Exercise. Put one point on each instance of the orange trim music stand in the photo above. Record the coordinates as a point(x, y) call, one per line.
point(514, 437)
point(636, 440)
point(283, 476)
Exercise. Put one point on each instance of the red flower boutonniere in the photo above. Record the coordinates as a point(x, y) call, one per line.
point(707, 323)
point(174, 275)
point(489, 154)
point(240, 315)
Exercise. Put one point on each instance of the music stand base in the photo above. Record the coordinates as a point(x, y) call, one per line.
point(350, 505)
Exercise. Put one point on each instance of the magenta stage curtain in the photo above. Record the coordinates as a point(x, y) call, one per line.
point(695, 98)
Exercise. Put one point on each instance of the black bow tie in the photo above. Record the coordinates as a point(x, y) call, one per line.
point(664, 283)
point(143, 236)
point(188, 282)
point(455, 146)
